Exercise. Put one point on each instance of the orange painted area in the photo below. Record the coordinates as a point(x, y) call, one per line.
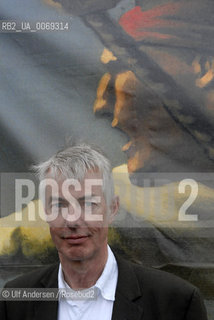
point(196, 65)
point(101, 102)
point(140, 24)
point(125, 90)
point(205, 80)
point(210, 100)
point(107, 56)
point(53, 3)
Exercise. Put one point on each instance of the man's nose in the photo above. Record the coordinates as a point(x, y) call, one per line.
point(73, 216)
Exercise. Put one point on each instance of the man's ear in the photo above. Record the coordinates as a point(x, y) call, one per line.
point(114, 208)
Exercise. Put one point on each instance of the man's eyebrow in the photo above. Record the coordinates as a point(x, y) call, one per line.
point(59, 199)
point(87, 197)
point(56, 199)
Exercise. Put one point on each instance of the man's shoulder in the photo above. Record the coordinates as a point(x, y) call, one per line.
point(155, 277)
point(150, 279)
point(173, 297)
point(33, 278)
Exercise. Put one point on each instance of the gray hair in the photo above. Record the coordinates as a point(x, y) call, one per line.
point(73, 162)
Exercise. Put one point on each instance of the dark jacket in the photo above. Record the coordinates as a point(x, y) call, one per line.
point(141, 294)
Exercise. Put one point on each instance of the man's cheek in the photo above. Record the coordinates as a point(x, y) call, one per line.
point(95, 226)
point(54, 233)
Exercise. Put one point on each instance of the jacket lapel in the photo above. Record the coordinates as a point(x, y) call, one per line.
point(47, 310)
point(128, 298)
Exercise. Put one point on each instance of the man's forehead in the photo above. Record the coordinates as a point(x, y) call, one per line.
point(61, 198)
point(90, 185)
point(59, 177)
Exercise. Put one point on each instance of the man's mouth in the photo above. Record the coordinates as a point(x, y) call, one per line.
point(75, 239)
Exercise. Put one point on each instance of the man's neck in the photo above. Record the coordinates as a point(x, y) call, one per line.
point(82, 274)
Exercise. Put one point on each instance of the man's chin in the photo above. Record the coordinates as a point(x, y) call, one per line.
point(75, 254)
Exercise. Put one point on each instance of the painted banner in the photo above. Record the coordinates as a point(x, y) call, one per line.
point(135, 77)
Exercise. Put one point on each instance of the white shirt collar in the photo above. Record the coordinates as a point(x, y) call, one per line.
point(106, 283)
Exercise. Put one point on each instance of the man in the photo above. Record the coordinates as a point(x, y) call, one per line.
point(80, 204)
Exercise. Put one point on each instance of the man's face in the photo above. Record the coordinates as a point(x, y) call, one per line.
point(75, 237)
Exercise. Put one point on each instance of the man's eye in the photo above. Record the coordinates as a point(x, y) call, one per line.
point(58, 205)
point(90, 204)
